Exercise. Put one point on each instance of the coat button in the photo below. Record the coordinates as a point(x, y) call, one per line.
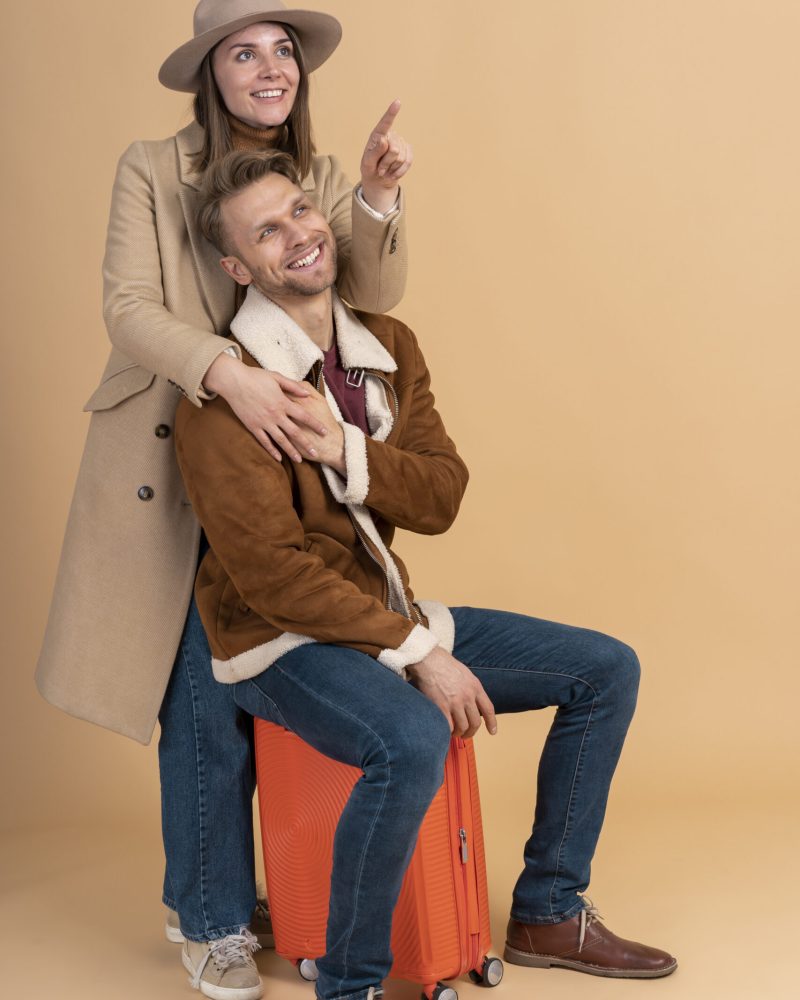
point(162, 431)
point(146, 493)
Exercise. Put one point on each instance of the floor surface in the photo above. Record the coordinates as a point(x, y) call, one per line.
point(80, 913)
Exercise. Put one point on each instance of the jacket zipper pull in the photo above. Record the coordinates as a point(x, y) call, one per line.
point(462, 836)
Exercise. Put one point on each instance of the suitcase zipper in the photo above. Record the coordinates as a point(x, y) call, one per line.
point(471, 940)
point(469, 872)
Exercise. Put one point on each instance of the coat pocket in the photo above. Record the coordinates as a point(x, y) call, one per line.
point(121, 385)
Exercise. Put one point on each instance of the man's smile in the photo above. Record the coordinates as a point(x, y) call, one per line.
point(308, 260)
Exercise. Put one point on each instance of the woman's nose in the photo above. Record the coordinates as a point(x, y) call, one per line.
point(268, 68)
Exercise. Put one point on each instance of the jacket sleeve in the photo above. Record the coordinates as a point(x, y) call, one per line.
point(137, 320)
point(373, 260)
point(243, 499)
point(417, 482)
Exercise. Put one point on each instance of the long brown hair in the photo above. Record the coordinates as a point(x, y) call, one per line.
point(210, 112)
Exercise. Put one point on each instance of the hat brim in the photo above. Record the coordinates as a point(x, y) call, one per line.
point(319, 35)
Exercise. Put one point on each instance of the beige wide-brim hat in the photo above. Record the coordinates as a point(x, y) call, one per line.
point(214, 20)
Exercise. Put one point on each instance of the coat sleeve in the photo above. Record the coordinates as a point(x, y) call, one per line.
point(418, 481)
point(137, 320)
point(373, 260)
point(243, 499)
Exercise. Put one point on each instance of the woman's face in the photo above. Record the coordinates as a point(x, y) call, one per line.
point(257, 74)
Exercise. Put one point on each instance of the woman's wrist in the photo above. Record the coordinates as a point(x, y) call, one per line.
point(379, 198)
point(223, 374)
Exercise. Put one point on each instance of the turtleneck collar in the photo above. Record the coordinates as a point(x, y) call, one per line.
point(253, 140)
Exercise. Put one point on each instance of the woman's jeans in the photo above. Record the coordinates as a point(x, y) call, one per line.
point(349, 707)
point(207, 783)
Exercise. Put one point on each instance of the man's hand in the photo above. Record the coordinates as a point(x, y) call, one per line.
point(456, 690)
point(387, 157)
point(268, 405)
point(327, 447)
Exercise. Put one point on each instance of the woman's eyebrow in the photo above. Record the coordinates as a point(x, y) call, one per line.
point(254, 45)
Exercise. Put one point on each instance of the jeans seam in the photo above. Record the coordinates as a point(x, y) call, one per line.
point(265, 697)
point(201, 831)
point(570, 803)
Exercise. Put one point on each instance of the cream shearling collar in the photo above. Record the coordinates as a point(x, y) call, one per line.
point(277, 343)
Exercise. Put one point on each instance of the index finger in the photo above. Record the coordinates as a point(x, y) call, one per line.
point(384, 126)
point(487, 711)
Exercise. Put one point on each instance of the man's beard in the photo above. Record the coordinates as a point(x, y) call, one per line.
point(324, 278)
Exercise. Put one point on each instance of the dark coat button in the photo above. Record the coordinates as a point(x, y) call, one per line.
point(162, 431)
point(393, 243)
point(146, 493)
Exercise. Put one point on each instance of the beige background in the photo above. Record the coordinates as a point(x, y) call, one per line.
point(604, 214)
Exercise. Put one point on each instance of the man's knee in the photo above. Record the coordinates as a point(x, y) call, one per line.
point(619, 667)
point(418, 748)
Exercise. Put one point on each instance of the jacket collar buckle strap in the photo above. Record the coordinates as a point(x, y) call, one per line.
point(355, 377)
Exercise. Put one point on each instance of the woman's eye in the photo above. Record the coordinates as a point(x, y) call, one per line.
point(245, 55)
point(285, 51)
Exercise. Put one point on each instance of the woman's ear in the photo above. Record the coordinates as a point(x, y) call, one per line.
point(237, 270)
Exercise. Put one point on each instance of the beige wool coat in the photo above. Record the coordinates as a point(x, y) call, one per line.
point(129, 556)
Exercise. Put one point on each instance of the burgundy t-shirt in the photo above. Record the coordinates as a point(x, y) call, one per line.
point(352, 401)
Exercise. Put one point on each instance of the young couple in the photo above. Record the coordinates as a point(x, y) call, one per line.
point(306, 434)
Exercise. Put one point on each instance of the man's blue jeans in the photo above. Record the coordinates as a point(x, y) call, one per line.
point(351, 708)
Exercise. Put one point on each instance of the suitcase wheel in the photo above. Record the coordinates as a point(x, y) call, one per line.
point(491, 972)
point(440, 992)
point(307, 968)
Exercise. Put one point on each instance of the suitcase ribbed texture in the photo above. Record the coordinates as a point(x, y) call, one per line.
point(441, 924)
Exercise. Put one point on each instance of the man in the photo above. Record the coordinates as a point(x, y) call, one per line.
point(312, 621)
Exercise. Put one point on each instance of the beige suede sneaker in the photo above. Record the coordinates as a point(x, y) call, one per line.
point(224, 969)
point(260, 925)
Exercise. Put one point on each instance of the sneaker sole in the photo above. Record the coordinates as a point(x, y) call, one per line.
point(516, 957)
point(223, 992)
point(174, 935)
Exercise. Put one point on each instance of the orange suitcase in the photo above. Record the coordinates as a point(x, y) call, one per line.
point(441, 923)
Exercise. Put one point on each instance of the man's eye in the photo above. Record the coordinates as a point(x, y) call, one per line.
point(300, 208)
point(268, 231)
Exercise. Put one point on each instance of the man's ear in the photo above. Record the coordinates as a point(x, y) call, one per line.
point(237, 270)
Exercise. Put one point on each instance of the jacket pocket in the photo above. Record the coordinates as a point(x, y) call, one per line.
point(121, 385)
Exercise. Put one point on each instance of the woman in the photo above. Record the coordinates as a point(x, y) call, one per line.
point(124, 644)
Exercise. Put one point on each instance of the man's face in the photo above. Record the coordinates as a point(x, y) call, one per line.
point(280, 241)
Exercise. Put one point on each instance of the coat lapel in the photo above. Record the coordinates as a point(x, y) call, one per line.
point(217, 290)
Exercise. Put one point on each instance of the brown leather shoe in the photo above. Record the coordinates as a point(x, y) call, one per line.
point(584, 944)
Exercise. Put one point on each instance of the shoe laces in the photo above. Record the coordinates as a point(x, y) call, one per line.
point(235, 949)
point(589, 914)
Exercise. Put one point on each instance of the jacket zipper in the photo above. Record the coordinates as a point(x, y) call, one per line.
point(378, 562)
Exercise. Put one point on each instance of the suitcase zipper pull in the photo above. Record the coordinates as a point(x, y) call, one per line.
point(462, 836)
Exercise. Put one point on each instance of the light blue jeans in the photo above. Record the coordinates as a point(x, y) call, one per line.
point(349, 707)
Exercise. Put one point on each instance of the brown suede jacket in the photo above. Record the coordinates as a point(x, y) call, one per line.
point(300, 553)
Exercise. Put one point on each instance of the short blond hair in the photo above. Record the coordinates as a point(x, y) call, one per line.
point(230, 175)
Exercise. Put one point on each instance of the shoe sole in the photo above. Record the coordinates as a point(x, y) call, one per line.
point(174, 935)
point(516, 957)
point(223, 992)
